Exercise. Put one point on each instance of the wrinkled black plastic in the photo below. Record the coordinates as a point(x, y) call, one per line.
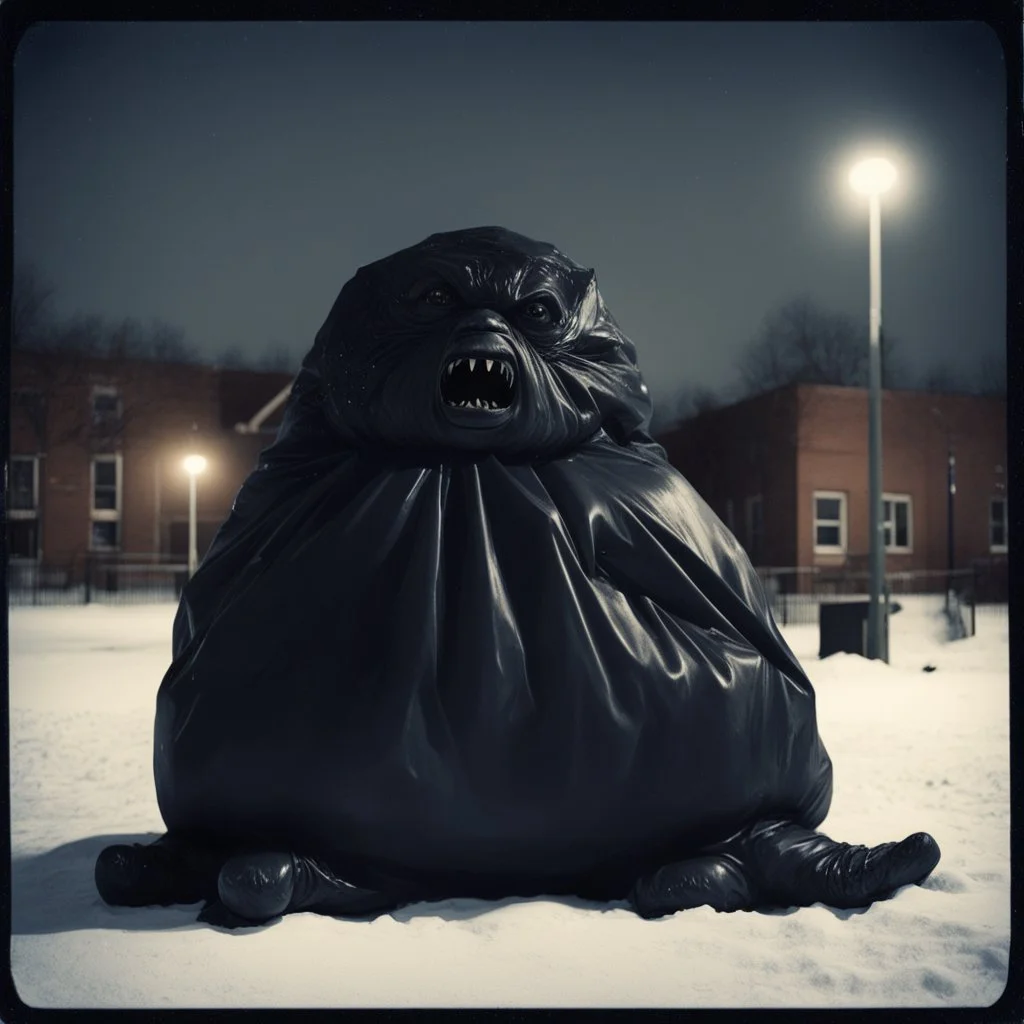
point(526, 651)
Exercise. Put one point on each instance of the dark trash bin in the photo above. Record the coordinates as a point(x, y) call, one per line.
point(844, 627)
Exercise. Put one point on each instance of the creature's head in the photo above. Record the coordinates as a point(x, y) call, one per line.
point(480, 340)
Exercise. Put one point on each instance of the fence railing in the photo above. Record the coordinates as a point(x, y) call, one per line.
point(797, 592)
point(95, 580)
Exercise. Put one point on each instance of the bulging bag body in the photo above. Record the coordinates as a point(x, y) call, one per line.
point(479, 667)
point(523, 652)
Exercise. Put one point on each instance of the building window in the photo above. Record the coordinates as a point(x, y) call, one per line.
point(755, 528)
point(106, 407)
point(23, 540)
point(897, 522)
point(105, 533)
point(23, 488)
point(829, 522)
point(23, 507)
point(31, 405)
point(997, 526)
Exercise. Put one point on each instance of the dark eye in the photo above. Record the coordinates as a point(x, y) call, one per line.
point(538, 312)
point(439, 296)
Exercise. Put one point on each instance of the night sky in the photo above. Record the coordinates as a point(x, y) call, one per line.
point(229, 178)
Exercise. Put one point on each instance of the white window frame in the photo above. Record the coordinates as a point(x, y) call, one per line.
point(105, 515)
point(998, 549)
point(27, 513)
point(105, 390)
point(830, 549)
point(904, 499)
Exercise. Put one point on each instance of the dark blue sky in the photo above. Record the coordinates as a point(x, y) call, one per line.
point(230, 177)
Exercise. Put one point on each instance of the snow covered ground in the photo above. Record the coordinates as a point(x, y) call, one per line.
point(913, 750)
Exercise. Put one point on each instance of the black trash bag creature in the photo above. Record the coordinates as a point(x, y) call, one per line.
point(466, 632)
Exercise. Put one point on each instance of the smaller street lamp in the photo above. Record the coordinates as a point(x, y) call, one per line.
point(194, 465)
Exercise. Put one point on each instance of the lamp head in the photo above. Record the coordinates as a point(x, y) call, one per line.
point(194, 464)
point(872, 177)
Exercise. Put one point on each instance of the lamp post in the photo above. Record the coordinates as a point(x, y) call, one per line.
point(950, 505)
point(194, 465)
point(872, 178)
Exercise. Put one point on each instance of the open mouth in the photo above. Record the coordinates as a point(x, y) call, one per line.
point(486, 383)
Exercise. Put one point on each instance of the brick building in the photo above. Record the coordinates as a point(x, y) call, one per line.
point(97, 447)
point(787, 471)
point(96, 456)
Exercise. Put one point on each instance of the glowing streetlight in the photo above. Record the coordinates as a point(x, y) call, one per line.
point(871, 178)
point(194, 465)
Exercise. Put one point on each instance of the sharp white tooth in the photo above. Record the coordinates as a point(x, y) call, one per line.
point(472, 363)
point(488, 363)
point(494, 405)
point(451, 367)
point(463, 403)
point(479, 403)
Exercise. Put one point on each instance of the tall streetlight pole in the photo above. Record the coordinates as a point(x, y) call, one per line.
point(872, 178)
point(194, 465)
point(950, 505)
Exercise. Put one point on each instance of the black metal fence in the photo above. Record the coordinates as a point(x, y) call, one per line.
point(982, 590)
point(796, 593)
point(96, 580)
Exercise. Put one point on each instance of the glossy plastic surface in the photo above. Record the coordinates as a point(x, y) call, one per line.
point(516, 647)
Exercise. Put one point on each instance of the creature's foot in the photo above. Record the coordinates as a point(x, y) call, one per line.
point(717, 881)
point(793, 866)
point(171, 870)
point(259, 886)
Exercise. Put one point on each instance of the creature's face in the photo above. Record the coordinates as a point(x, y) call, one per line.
point(480, 340)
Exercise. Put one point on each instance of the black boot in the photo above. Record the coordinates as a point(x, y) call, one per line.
point(717, 881)
point(174, 869)
point(259, 886)
point(794, 866)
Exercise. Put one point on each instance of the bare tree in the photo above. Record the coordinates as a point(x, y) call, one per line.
point(231, 359)
point(689, 401)
point(941, 377)
point(990, 375)
point(802, 343)
point(895, 371)
point(30, 307)
point(166, 344)
point(82, 335)
point(60, 355)
point(277, 359)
